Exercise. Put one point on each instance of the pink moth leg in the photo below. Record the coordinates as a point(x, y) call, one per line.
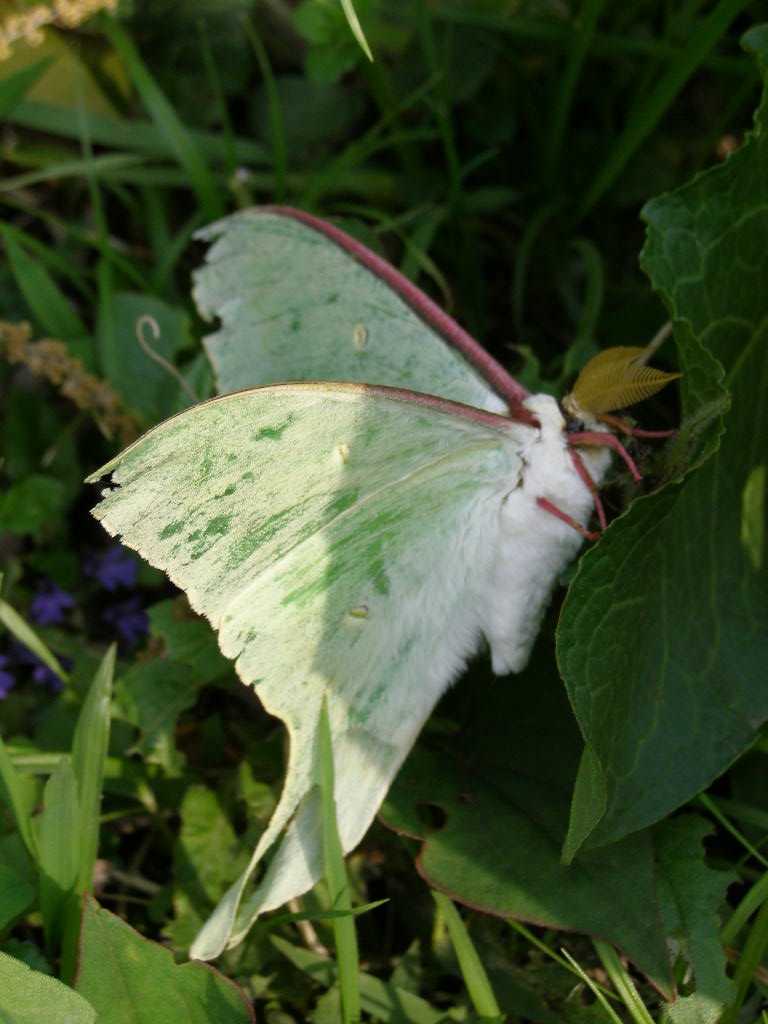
point(617, 423)
point(558, 513)
point(595, 439)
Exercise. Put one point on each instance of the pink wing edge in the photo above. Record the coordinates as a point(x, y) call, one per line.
point(494, 373)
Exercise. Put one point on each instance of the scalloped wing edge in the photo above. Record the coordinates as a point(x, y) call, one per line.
point(452, 333)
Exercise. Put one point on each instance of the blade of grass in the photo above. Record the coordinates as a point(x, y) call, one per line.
point(106, 337)
point(612, 1015)
point(47, 303)
point(89, 753)
point(317, 915)
point(23, 632)
point(583, 346)
point(524, 250)
point(534, 940)
point(357, 29)
point(366, 146)
point(577, 53)
point(170, 254)
point(10, 783)
point(645, 119)
point(98, 167)
point(472, 970)
point(441, 107)
point(384, 1001)
point(274, 107)
point(716, 813)
point(757, 895)
point(622, 982)
point(750, 958)
point(139, 136)
point(227, 133)
point(59, 852)
point(45, 252)
point(166, 118)
point(557, 33)
point(14, 89)
point(329, 178)
point(338, 883)
point(63, 227)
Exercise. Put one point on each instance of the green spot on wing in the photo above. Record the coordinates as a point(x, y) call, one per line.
point(171, 529)
point(379, 578)
point(218, 526)
point(273, 433)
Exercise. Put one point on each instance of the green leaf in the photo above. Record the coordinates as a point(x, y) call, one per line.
point(59, 844)
point(497, 798)
point(146, 387)
point(13, 795)
point(166, 118)
point(333, 50)
point(127, 978)
point(32, 504)
point(152, 695)
point(188, 639)
point(89, 753)
point(689, 895)
point(18, 879)
point(47, 303)
point(316, 115)
point(29, 997)
point(207, 858)
point(664, 657)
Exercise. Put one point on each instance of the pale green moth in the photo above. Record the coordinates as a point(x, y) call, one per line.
point(349, 541)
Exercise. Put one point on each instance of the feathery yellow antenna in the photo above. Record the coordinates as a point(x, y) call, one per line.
point(615, 378)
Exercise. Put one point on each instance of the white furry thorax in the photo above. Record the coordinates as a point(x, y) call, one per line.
point(534, 547)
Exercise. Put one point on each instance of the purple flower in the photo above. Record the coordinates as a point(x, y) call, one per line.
point(50, 604)
point(129, 619)
point(44, 676)
point(113, 568)
point(41, 674)
point(7, 679)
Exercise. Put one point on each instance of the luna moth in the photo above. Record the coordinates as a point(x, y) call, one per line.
point(355, 542)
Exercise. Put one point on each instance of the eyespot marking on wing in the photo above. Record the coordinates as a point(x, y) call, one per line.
point(342, 450)
point(359, 613)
